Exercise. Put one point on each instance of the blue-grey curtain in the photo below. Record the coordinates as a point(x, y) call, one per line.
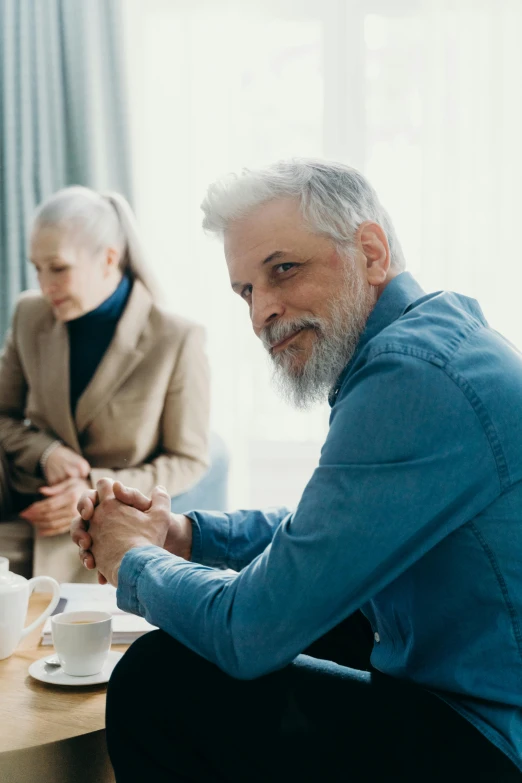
point(62, 116)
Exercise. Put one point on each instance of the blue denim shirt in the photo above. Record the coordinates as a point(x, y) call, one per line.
point(414, 514)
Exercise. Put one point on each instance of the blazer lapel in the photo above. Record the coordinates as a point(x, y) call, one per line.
point(120, 359)
point(54, 379)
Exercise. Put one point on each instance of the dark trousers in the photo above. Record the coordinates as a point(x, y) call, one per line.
point(173, 716)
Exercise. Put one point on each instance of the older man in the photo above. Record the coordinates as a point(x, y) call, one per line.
point(399, 573)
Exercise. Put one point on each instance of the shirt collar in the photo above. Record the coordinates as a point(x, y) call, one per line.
point(400, 293)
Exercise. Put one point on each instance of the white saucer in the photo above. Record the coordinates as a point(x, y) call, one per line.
point(55, 675)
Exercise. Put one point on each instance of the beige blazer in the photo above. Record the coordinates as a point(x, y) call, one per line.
point(144, 416)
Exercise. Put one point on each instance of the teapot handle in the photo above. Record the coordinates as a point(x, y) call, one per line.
point(35, 582)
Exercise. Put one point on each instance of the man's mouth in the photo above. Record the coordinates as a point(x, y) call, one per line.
point(280, 346)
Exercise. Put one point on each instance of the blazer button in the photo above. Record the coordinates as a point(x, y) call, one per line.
point(376, 637)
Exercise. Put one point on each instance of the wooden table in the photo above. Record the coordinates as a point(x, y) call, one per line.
point(49, 733)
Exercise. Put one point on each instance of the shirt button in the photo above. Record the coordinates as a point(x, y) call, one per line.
point(376, 637)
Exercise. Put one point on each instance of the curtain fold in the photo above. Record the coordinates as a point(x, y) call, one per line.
point(63, 118)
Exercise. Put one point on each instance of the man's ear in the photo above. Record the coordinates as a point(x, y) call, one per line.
point(373, 243)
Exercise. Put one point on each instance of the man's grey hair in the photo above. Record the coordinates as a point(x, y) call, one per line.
point(335, 199)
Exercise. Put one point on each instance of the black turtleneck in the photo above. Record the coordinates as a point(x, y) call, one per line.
point(90, 336)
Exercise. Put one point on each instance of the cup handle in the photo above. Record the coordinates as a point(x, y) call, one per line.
point(35, 582)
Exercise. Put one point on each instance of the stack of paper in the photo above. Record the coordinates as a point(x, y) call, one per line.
point(100, 598)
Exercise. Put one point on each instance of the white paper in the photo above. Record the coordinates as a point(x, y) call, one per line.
point(100, 598)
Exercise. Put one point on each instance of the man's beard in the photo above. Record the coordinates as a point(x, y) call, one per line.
point(336, 339)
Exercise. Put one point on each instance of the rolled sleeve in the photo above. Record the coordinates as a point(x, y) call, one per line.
point(232, 540)
point(210, 536)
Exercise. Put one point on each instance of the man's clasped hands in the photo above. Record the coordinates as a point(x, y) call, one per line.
point(114, 519)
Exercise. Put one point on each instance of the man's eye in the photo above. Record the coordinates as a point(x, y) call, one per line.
point(246, 292)
point(286, 267)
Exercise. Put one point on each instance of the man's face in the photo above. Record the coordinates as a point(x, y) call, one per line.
point(308, 301)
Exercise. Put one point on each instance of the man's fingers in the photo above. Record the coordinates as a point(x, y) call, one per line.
point(104, 487)
point(131, 497)
point(160, 498)
point(89, 562)
point(86, 504)
point(79, 533)
point(87, 558)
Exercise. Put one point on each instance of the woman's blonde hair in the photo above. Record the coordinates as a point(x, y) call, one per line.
point(99, 220)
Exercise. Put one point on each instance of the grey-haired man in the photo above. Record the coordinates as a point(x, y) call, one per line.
point(399, 572)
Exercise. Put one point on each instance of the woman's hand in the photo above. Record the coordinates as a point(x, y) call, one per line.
point(64, 463)
point(54, 515)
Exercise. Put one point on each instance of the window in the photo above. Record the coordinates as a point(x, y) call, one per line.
point(423, 97)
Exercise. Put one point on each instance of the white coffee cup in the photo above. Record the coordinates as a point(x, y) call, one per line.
point(82, 641)
point(14, 598)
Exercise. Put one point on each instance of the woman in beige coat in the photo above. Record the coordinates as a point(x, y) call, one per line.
point(96, 378)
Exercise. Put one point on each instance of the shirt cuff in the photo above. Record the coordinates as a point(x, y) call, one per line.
point(131, 568)
point(210, 538)
point(196, 551)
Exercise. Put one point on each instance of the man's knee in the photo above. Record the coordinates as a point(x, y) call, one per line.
point(151, 666)
point(133, 680)
point(145, 659)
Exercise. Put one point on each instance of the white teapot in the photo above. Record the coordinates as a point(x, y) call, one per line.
point(14, 599)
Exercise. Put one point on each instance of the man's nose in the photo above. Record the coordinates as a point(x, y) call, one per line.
point(266, 307)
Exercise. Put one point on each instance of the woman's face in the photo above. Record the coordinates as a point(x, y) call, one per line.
point(73, 279)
